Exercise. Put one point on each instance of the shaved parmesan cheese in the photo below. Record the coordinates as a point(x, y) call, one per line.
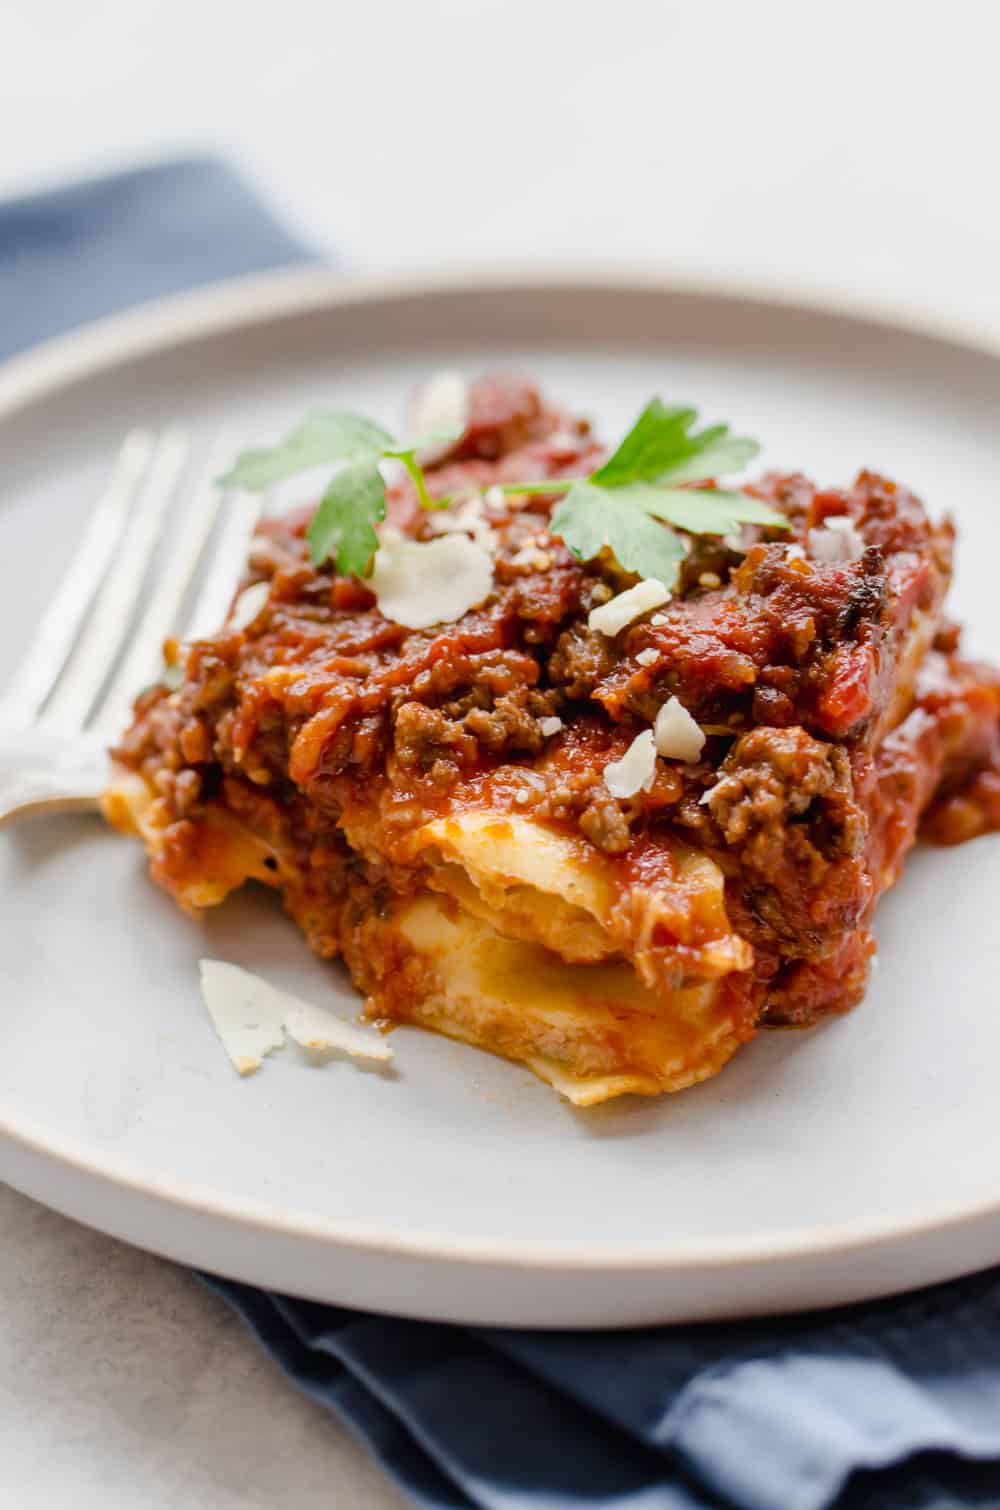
point(794, 553)
point(836, 541)
point(648, 657)
point(319, 1031)
point(678, 736)
point(530, 555)
point(249, 604)
point(423, 582)
point(496, 497)
point(251, 1018)
point(249, 1022)
point(549, 726)
point(636, 771)
point(467, 519)
point(611, 618)
point(442, 405)
point(660, 618)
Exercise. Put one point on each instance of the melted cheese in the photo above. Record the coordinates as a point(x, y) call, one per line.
point(511, 848)
point(536, 883)
point(592, 1031)
point(531, 881)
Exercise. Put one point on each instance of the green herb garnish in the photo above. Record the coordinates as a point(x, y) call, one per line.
point(632, 505)
point(619, 505)
point(343, 527)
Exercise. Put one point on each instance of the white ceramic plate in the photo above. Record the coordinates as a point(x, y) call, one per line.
point(823, 1166)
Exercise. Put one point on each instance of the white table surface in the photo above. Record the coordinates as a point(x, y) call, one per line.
point(847, 148)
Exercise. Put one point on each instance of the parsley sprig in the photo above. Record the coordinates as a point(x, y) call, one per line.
point(632, 505)
point(343, 527)
point(624, 505)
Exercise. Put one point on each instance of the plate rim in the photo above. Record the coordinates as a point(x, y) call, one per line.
point(226, 306)
point(229, 304)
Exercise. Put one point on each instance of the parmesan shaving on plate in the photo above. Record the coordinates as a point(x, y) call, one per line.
point(249, 604)
point(423, 582)
point(252, 1017)
point(549, 726)
point(677, 735)
point(636, 771)
point(611, 618)
point(441, 405)
point(836, 541)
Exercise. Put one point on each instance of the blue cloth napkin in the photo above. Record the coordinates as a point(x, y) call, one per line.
point(99, 246)
point(890, 1406)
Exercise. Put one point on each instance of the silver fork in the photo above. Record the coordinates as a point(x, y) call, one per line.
point(100, 641)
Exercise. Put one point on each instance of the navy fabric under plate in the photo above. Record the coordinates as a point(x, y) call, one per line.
point(103, 245)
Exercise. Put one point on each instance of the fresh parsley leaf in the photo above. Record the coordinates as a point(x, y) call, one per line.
point(632, 503)
point(700, 511)
point(654, 441)
point(581, 520)
point(432, 440)
point(717, 453)
point(662, 446)
point(591, 517)
point(344, 524)
point(326, 435)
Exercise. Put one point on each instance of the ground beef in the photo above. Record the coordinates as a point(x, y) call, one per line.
point(785, 806)
point(582, 659)
point(605, 824)
point(424, 735)
point(773, 776)
point(510, 724)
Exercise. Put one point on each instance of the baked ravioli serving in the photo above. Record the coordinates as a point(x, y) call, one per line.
point(582, 756)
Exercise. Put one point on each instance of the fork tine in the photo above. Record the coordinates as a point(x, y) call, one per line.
point(58, 630)
point(161, 616)
point(104, 632)
point(229, 559)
